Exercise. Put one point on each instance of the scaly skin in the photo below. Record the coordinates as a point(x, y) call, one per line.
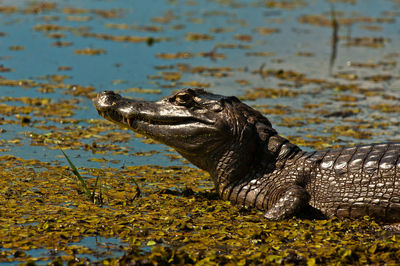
point(251, 165)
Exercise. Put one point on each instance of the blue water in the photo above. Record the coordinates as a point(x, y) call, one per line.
point(127, 64)
point(100, 248)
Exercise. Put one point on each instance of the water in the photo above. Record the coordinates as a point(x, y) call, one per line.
point(99, 248)
point(128, 64)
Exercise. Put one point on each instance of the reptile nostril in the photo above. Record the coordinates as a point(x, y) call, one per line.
point(104, 94)
point(107, 93)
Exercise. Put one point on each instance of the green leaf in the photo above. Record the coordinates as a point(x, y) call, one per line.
point(76, 173)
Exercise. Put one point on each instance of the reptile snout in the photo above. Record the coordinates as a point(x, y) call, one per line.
point(105, 94)
point(106, 98)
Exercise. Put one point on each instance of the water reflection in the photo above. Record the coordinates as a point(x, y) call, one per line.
point(334, 41)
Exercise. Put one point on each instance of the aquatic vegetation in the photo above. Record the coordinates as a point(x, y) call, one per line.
point(95, 198)
point(171, 222)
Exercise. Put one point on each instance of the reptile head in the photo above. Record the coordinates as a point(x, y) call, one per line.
point(201, 126)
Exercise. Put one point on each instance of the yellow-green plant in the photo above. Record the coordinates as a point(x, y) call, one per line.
point(84, 186)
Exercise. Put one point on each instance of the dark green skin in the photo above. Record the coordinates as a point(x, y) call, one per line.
point(251, 165)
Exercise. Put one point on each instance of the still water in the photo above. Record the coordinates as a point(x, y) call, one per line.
point(40, 42)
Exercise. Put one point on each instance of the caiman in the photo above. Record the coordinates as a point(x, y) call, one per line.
point(251, 165)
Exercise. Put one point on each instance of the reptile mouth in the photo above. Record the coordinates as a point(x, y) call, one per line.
point(152, 118)
point(133, 119)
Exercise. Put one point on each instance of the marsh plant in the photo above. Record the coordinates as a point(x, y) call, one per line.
point(83, 185)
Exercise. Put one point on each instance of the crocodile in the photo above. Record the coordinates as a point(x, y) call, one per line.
point(251, 165)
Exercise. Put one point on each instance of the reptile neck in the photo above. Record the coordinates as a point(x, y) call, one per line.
point(258, 168)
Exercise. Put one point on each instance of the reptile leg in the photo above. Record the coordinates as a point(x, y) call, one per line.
point(291, 203)
point(395, 228)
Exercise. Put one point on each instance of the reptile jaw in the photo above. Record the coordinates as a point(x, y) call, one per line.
point(150, 118)
point(117, 116)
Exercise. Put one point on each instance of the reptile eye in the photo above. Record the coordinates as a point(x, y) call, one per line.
point(184, 98)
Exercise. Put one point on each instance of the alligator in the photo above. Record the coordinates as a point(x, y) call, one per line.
point(251, 165)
